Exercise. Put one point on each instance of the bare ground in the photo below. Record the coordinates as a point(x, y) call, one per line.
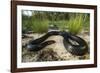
point(53, 52)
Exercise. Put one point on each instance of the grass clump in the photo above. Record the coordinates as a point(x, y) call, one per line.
point(40, 26)
point(75, 25)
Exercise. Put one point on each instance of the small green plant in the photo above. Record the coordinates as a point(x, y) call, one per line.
point(75, 24)
point(40, 26)
point(86, 22)
point(26, 23)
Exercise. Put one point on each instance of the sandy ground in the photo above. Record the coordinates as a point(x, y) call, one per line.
point(53, 52)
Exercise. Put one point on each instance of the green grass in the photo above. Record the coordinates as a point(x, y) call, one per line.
point(86, 22)
point(40, 26)
point(75, 25)
point(40, 21)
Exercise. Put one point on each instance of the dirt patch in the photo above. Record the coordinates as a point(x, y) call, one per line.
point(53, 52)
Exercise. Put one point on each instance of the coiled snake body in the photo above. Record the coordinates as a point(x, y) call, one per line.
point(79, 47)
point(76, 49)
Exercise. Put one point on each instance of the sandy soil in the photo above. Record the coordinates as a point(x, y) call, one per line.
point(53, 52)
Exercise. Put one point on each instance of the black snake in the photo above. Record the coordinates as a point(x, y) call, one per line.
point(80, 48)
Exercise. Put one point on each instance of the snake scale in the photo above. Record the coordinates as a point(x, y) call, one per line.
point(80, 48)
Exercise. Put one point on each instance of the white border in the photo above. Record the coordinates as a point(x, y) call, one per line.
point(54, 63)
